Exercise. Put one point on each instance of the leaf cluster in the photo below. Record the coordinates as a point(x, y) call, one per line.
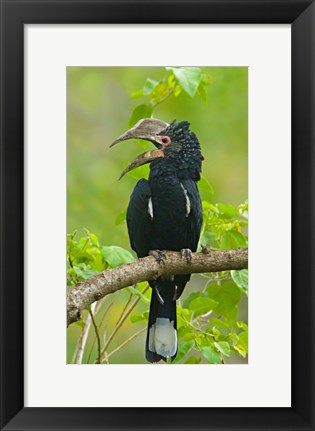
point(176, 80)
point(224, 226)
point(86, 257)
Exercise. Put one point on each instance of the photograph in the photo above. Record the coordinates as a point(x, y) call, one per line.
point(157, 215)
point(157, 192)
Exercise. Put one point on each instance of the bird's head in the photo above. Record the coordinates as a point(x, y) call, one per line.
point(174, 142)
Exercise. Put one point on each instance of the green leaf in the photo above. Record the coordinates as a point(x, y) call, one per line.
point(178, 90)
point(136, 94)
point(216, 332)
point(97, 263)
point(241, 279)
point(188, 78)
point(239, 349)
point(139, 112)
point(193, 360)
point(121, 218)
point(83, 274)
point(72, 235)
point(139, 317)
point(149, 86)
point(189, 336)
point(205, 79)
point(205, 339)
point(185, 332)
point(228, 296)
point(228, 210)
point(208, 206)
point(232, 239)
point(116, 256)
point(242, 346)
point(243, 209)
point(204, 185)
point(219, 323)
point(94, 239)
point(136, 292)
point(211, 355)
point(242, 325)
point(202, 92)
point(202, 305)
point(183, 316)
point(160, 92)
point(243, 337)
point(135, 318)
point(233, 339)
point(223, 347)
point(209, 238)
point(183, 349)
point(190, 297)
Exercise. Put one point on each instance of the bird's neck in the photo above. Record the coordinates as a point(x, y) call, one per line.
point(177, 167)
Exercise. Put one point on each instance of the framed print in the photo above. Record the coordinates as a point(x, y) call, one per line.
point(169, 95)
point(67, 73)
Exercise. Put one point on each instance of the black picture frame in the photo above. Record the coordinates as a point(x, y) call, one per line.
point(14, 14)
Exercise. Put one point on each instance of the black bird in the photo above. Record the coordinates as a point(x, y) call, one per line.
point(165, 213)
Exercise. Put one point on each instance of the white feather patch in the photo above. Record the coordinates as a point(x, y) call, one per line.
point(163, 337)
point(150, 208)
point(188, 205)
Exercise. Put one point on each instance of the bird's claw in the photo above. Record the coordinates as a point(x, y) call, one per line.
point(187, 254)
point(158, 255)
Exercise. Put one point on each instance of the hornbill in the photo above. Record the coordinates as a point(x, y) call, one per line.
point(165, 213)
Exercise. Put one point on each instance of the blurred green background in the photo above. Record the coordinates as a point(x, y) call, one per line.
point(98, 109)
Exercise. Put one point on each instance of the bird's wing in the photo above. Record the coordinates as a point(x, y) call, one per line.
point(139, 218)
point(193, 226)
point(194, 218)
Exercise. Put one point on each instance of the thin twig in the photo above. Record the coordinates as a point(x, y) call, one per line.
point(124, 309)
point(113, 333)
point(100, 326)
point(83, 339)
point(120, 323)
point(122, 320)
point(126, 342)
point(97, 336)
point(196, 328)
point(105, 353)
point(84, 336)
point(75, 353)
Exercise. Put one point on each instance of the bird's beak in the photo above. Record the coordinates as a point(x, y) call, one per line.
point(147, 128)
point(142, 159)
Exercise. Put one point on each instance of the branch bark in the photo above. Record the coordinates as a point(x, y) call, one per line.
point(147, 268)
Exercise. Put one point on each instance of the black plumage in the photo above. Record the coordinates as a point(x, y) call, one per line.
point(165, 213)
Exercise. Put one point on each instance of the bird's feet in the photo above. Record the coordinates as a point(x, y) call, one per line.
point(158, 255)
point(187, 254)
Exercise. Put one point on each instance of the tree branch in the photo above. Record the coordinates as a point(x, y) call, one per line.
point(147, 268)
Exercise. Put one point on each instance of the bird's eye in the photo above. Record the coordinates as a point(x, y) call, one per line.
point(165, 140)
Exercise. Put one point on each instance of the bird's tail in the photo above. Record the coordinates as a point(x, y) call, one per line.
point(162, 334)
